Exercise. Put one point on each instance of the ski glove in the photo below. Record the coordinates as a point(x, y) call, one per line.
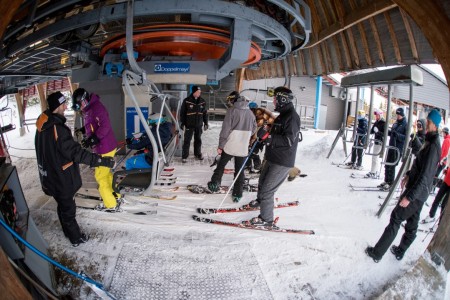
point(90, 141)
point(262, 134)
point(375, 129)
point(205, 127)
point(81, 130)
point(106, 161)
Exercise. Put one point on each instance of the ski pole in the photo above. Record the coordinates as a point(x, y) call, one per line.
point(240, 170)
point(80, 275)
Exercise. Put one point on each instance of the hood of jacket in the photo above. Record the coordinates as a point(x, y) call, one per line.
point(47, 119)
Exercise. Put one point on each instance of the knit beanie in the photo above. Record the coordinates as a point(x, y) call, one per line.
point(435, 117)
point(55, 100)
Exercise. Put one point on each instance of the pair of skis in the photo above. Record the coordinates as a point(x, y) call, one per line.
point(247, 224)
point(366, 188)
point(91, 202)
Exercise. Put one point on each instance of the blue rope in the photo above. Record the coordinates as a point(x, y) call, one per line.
point(45, 257)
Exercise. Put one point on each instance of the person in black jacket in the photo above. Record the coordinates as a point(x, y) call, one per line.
point(281, 148)
point(396, 139)
point(378, 132)
point(418, 138)
point(193, 116)
point(417, 184)
point(58, 156)
point(357, 149)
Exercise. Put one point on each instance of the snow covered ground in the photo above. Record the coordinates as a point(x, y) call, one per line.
point(166, 256)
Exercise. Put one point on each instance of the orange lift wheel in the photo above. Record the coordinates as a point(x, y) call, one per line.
point(199, 42)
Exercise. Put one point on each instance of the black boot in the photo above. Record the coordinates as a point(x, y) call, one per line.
point(398, 253)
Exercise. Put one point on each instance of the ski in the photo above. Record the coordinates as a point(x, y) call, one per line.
point(199, 189)
point(246, 225)
point(366, 189)
point(160, 197)
point(242, 208)
point(168, 169)
point(91, 204)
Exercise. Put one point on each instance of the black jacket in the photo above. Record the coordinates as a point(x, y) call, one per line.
point(420, 177)
point(398, 134)
point(418, 138)
point(58, 156)
point(193, 112)
point(379, 135)
point(362, 132)
point(282, 144)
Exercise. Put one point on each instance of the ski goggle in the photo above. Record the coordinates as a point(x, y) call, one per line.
point(80, 101)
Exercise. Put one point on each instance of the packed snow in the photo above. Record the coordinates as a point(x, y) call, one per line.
point(137, 256)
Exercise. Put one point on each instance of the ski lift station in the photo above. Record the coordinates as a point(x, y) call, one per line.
point(143, 58)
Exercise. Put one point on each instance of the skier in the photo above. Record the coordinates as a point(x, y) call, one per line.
point(378, 132)
point(144, 159)
point(417, 183)
point(281, 148)
point(254, 161)
point(58, 157)
point(396, 139)
point(100, 137)
point(237, 129)
point(443, 159)
point(357, 149)
point(440, 199)
point(193, 115)
point(418, 138)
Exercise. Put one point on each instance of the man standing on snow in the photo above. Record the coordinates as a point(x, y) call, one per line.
point(100, 137)
point(396, 139)
point(237, 129)
point(58, 156)
point(193, 116)
point(418, 182)
point(281, 149)
point(378, 132)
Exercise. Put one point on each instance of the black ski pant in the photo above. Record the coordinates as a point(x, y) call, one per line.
point(66, 211)
point(272, 176)
point(188, 133)
point(411, 214)
point(357, 153)
point(442, 195)
point(436, 177)
point(218, 172)
point(389, 170)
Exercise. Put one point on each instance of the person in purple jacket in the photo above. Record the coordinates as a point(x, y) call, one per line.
point(100, 137)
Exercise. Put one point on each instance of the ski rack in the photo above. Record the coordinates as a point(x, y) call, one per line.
point(138, 77)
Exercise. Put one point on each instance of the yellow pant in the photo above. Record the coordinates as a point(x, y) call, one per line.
point(104, 178)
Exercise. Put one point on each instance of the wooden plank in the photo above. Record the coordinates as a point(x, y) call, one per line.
point(340, 11)
point(346, 21)
point(398, 56)
point(353, 49)
point(41, 88)
point(363, 36)
point(434, 22)
point(412, 40)
point(239, 79)
point(10, 285)
point(376, 36)
point(348, 59)
point(338, 53)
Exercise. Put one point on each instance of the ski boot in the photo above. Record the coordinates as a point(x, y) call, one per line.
point(259, 222)
point(253, 204)
point(369, 252)
point(398, 253)
point(236, 198)
point(101, 207)
point(359, 168)
point(213, 186)
point(83, 239)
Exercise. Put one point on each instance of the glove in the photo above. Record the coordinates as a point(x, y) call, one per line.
point(129, 141)
point(262, 134)
point(375, 129)
point(90, 141)
point(81, 130)
point(106, 161)
point(205, 127)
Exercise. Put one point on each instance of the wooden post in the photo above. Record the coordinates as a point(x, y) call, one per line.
point(440, 244)
point(19, 100)
point(10, 285)
point(239, 79)
point(41, 90)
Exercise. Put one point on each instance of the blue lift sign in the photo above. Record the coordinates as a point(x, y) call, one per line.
point(133, 124)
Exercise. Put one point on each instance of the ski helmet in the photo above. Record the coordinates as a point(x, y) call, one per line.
point(283, 96)
point(232, 97)
point(79, 96)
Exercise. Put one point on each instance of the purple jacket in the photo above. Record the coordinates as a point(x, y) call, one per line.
point(96, 121)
